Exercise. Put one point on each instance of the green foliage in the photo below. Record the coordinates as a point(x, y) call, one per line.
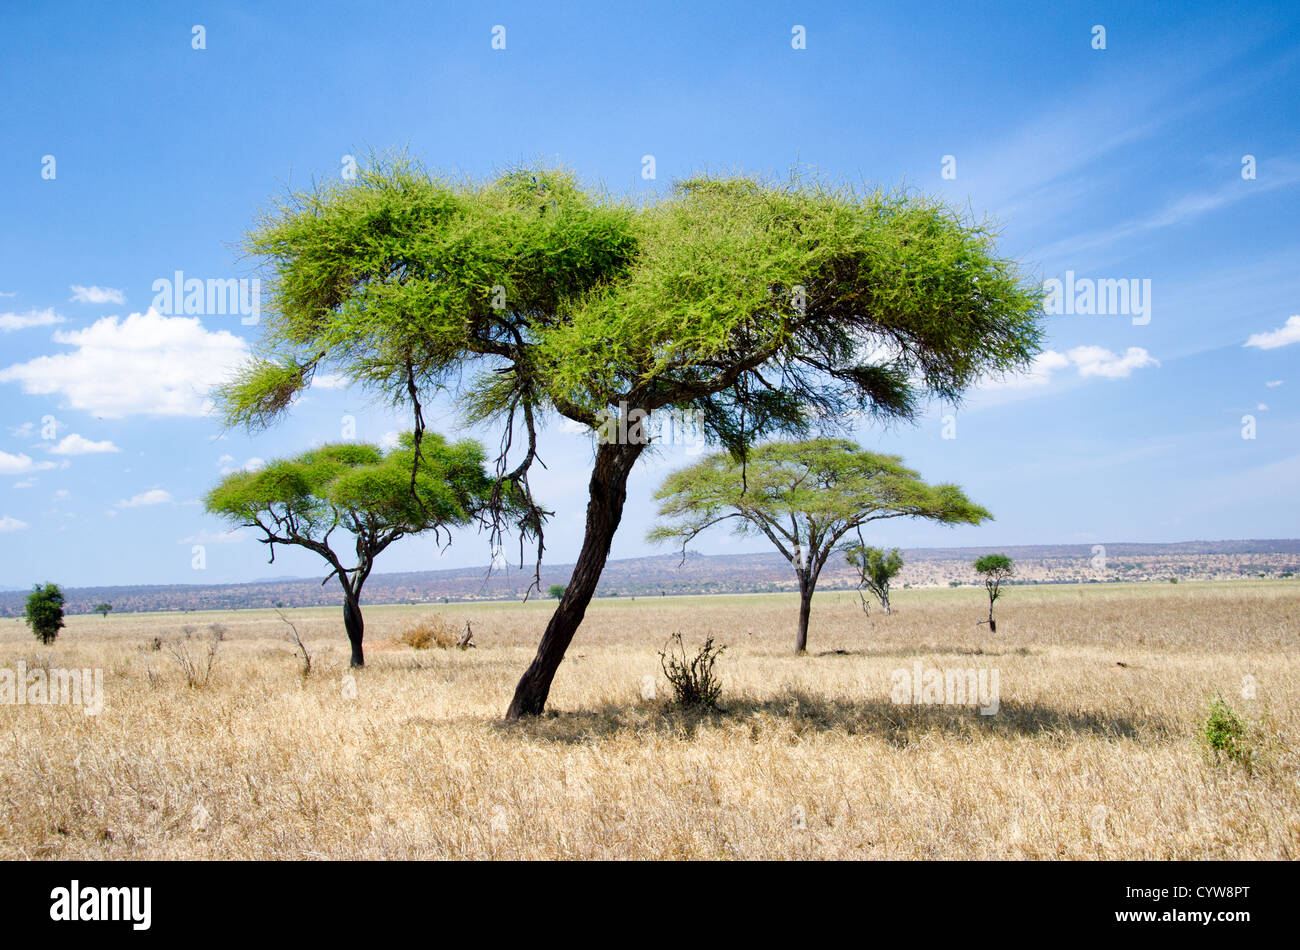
point(103, 609)
point(44, 612)
point(695, 684)
point(1226, 737)
point(750, 302)
point(806, 494)
point(876, 569)
point(556, 591)
point(994, 568)
point(375, 496)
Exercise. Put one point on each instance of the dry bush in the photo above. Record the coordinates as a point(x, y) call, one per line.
point(431, 631)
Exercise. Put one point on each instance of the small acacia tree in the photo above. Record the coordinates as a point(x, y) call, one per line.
point(803, 497)
point(876, 570)
point(556, 591)
point(103, 609)
point(994, 569)
point(755, 306)
point(372, 496)
point(45, 612)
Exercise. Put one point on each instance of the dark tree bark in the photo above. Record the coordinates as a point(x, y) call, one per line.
point(355, 626)
point(805, 609)
point(607, 492)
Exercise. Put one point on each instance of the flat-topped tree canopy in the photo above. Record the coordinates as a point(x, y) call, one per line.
point(370, 496)
point(761, 306)
point(804, 497)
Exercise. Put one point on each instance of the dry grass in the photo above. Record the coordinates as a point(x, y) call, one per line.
point(1085, 759)
point(431, 631)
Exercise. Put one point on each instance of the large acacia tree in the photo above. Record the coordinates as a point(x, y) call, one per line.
point(760, 307)
point(803, 497)
point(371, 498)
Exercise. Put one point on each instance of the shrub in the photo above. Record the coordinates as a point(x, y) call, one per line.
point(694, 683)
point(45, 612)
point(1226, 736)
point(431, 631)
point(196, 667)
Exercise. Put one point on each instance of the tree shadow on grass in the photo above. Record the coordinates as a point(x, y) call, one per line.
point(796, 713)
point(925, 650)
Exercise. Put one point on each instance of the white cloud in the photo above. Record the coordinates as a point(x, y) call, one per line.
point(390, 440)
point(1096, 361)
point(32, 318)
point(20, 464)
point(1039, 372)
point(12, 293)
point(62, 495)
point(1273, 383)
point(1262, 407)
point(77, 445)
point(147, 364)
point(229, 464)
point(25, 483)
point(154, 496)
point(329, 381)
point(27, 429)
point(1088, 360)
point(94, 294)
point(1287, 334)
point(11, 524)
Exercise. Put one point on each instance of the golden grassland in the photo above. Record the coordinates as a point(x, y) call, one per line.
point(808, 758)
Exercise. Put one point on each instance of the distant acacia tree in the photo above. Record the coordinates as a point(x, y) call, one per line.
point(755, 306)
point(103, 609)
point(556, 591)
point(803, 497)
point(994, 568)
point(372, 496)
point(45, 612)
point(876, 569)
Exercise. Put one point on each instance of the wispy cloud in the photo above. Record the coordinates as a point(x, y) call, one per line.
point(154, 496)
point(95, 294)
point(32, 318)
point(1285, 335)
point(74, 444)
point(20, 464)
point(1087, 360)
point(11, 524)
point(1179, 211)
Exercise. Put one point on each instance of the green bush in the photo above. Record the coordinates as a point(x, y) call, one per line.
point(1226, 736)
point(45, 612)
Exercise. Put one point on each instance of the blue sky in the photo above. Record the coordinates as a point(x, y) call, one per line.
point(128, 155)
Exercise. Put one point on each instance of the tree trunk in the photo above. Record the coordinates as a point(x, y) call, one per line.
point(805, 608)
point(993, 624)
point(607, 492)
point(355, 626)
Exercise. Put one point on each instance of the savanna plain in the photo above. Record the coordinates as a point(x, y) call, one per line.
point(1097, 749)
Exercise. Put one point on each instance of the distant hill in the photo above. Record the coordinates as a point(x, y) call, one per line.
point(668, 575)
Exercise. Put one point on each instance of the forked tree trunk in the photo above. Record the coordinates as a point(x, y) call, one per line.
point(607, 493)
point(355, 626)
